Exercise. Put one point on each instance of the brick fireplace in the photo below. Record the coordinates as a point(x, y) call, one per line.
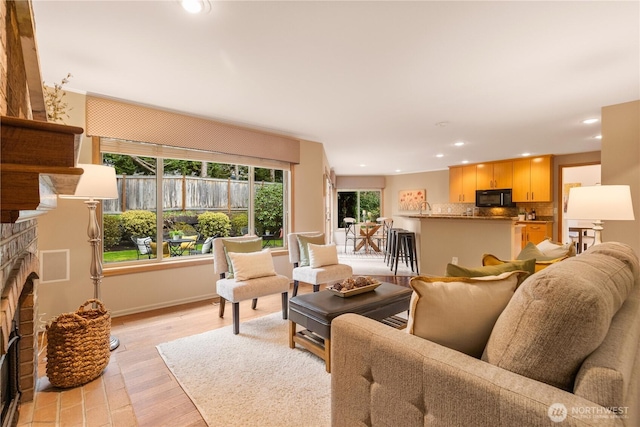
point(18, 307)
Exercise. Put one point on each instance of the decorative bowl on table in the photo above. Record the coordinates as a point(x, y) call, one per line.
point(354, 286)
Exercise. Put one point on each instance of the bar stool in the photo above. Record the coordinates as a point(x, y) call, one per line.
point(405, 248)
point(390, 245)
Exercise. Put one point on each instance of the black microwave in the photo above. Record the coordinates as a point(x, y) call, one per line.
point(494, 198)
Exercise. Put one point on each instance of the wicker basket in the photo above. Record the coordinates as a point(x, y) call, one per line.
point(78, 345)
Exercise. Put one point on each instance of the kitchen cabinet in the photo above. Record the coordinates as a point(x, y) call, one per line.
point(462, 184)
point(536, 231)
point(532, 179)
point(494, 175)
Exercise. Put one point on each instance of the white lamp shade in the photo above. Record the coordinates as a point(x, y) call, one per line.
point(600, 202)
point(97, 182)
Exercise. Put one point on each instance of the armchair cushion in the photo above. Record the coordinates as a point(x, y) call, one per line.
point(303, 242)
point(321, 255)
point(459, 312)
point(252, 265)
point(239, 246)
point(189, 245)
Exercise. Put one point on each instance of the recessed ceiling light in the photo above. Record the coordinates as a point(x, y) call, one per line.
point(590, 121)
point(195, 6)
point(526, 154)
point(442, 124)
point(362, 165)
point(459, 144)
point(465, 161)
point(598, 137)
point(439, 155)
point(398, 170)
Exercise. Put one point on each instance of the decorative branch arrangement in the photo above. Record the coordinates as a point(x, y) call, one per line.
point(57, 108)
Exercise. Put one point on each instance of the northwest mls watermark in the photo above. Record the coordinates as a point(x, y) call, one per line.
point(557, 412)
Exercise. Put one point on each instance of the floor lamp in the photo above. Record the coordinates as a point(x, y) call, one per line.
point(598, 202)
point(96, 183)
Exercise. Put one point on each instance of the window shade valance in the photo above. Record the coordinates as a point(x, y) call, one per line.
point(115, 119)
point(348, 182)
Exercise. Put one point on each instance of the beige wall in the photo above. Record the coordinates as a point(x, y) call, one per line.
point(621, 165)
point(66, 228)
point(435, 183)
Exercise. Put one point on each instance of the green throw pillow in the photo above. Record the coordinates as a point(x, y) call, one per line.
point(303, 242)
point(492, 270)
point(242, 246)
point(532, 251)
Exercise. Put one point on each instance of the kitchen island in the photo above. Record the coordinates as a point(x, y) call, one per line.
point(441, 238)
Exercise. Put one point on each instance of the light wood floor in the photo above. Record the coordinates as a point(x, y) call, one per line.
point(137, 389)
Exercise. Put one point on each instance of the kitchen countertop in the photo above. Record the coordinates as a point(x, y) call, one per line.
point(460, 216)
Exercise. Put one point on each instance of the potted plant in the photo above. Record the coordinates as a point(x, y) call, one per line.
point(176, 234)
point(522, 215)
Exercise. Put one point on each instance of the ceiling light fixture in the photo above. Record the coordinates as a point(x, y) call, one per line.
point(362, 165)
point(526, 154)
point(465, 161)
point(459, 144)
point(195, 6)
point(590, 121)
point(439, 155)
point(597, 137)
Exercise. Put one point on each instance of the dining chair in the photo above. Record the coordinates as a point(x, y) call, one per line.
point(381, 234)
point(350, 233)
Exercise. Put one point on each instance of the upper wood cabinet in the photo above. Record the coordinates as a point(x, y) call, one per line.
point(462, 184)
point(494, 175)
point(532, 179)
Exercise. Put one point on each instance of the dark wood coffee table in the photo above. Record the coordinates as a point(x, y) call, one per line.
point(315, 311)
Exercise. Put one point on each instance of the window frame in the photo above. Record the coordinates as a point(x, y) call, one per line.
point(161, 153)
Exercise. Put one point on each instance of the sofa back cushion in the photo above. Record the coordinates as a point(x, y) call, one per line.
point(561, 314)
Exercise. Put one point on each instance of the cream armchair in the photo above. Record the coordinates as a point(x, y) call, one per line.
point(253, 276)
point(302, 272)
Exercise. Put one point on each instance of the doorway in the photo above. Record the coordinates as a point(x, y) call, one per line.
point(578, 175)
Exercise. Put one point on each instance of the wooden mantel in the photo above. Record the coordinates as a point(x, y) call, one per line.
point(37, 162)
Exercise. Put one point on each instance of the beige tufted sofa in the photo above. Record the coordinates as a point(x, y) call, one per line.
point(564, 350)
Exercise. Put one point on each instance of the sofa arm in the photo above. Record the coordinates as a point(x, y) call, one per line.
point(381, 376)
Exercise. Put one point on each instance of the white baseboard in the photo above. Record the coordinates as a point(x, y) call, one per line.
point(164, 304)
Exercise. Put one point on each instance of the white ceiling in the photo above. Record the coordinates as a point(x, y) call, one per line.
point(371, 80)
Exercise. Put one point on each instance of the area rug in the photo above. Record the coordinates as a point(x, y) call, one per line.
point(371, 264)
point(251, 379)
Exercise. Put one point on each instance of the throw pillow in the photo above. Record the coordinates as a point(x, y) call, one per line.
point(491, 269)
point(206, 246)
point(239, 246)
point(303, 242)
point(556, 250)
point(321, 255)
point(144, 245)
point(458, 312)
point(531, 251)
point(252, 265)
